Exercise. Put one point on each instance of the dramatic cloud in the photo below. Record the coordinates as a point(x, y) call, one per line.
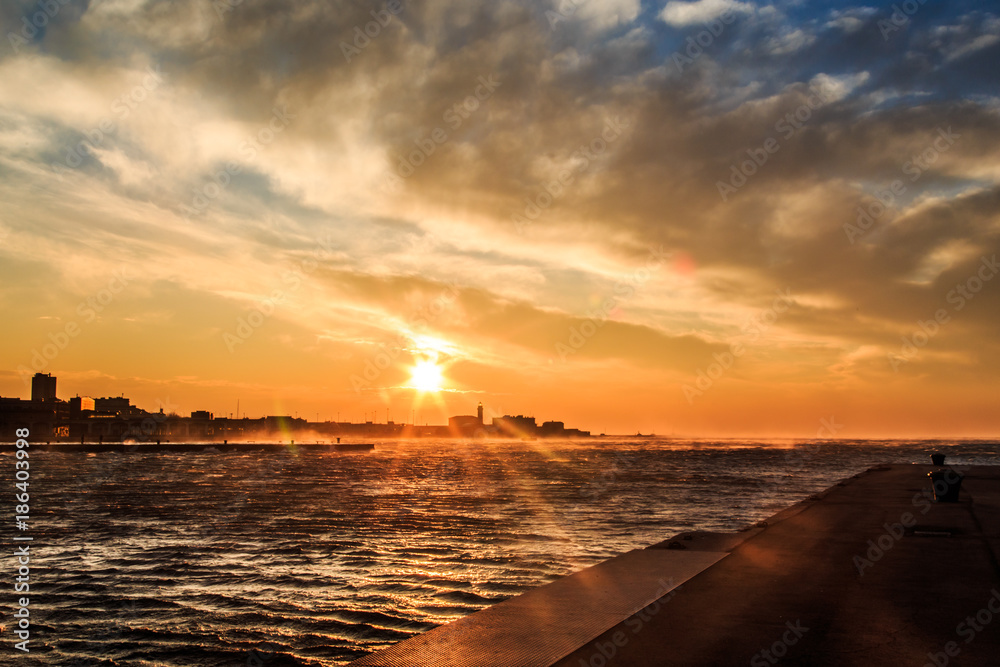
point(582, 208)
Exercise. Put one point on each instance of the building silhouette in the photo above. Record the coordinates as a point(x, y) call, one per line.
point(516, 427)
point(464, 425)
point(43, 387)
point(114, 419)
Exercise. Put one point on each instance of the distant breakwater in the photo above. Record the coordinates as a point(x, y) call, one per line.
point(196, 446)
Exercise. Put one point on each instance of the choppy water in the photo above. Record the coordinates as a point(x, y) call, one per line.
point(316, 559)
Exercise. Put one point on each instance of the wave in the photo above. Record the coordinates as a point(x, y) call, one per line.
point(205, 559)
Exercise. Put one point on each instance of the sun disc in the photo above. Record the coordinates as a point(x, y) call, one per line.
point(426, 376)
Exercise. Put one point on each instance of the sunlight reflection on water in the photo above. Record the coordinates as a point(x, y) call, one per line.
point(316, 559)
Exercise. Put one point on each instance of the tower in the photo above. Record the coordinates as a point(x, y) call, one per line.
point(43, 387)
point(479, 413)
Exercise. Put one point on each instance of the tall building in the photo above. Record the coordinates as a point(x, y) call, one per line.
point(43, 387)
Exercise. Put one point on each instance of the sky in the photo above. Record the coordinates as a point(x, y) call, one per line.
point(711, 218)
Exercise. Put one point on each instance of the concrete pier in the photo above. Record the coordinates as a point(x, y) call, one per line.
point(870, 572)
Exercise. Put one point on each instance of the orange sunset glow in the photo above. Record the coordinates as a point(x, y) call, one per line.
point(581, 219)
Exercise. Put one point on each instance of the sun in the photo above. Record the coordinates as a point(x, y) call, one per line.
point(426, 376)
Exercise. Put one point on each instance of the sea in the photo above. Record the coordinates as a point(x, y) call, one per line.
point(304, 558)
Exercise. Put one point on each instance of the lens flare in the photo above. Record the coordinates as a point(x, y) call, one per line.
point(426, 376)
